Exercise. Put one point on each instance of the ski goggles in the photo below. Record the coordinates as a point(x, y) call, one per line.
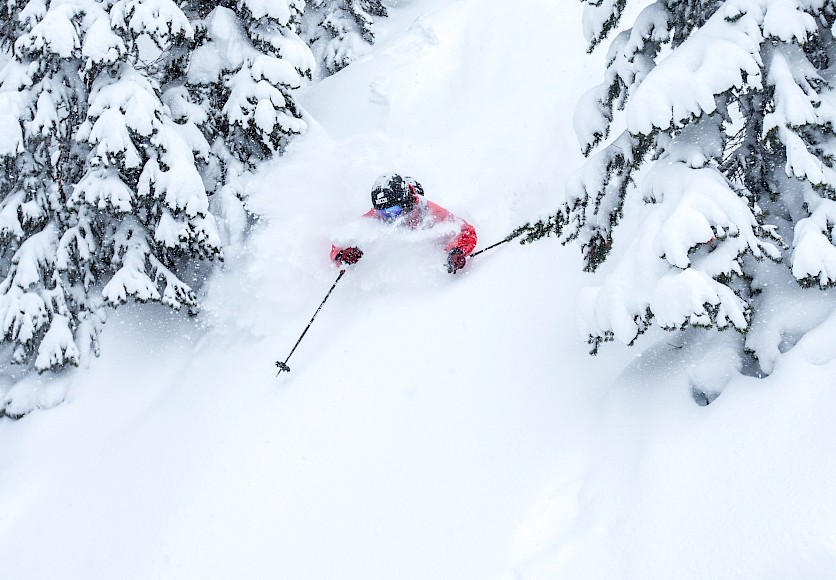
point(389, 213)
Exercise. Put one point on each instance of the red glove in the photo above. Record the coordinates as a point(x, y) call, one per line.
point(455, 260)
point(350, 255)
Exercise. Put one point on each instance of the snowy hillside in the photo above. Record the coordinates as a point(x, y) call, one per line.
point(432, 426)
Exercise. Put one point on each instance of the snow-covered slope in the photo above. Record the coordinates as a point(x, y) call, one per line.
point(432, 426)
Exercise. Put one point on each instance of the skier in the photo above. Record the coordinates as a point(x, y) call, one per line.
point(400, 201)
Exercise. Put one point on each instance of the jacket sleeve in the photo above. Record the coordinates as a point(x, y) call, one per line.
point(465, 240)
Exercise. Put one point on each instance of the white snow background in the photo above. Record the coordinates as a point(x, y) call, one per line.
point(433, 426)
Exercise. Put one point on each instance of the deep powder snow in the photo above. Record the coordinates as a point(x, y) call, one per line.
point(432, 426)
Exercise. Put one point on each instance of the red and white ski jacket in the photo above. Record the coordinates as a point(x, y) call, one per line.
point(425, 214)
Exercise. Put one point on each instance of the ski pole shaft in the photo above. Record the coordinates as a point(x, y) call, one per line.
point(508, 239)
point(283, 365)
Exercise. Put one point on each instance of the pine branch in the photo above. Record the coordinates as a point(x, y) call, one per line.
point(543, 228)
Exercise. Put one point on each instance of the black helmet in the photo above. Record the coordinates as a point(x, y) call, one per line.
point(416, 187)
point(391, 189)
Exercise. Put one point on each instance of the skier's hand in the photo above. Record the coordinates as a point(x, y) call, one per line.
point(455, 260)
point(350, 255)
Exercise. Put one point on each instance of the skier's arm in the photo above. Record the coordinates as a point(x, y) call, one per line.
point(465, 240)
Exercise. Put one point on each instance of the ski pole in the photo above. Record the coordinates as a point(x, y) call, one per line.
point(514, 234)
point(283, 365)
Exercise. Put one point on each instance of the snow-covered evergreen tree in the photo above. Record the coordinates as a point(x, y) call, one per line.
point(339, 31)
point(107, 154)
point(248, 59)
point(727, 109)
